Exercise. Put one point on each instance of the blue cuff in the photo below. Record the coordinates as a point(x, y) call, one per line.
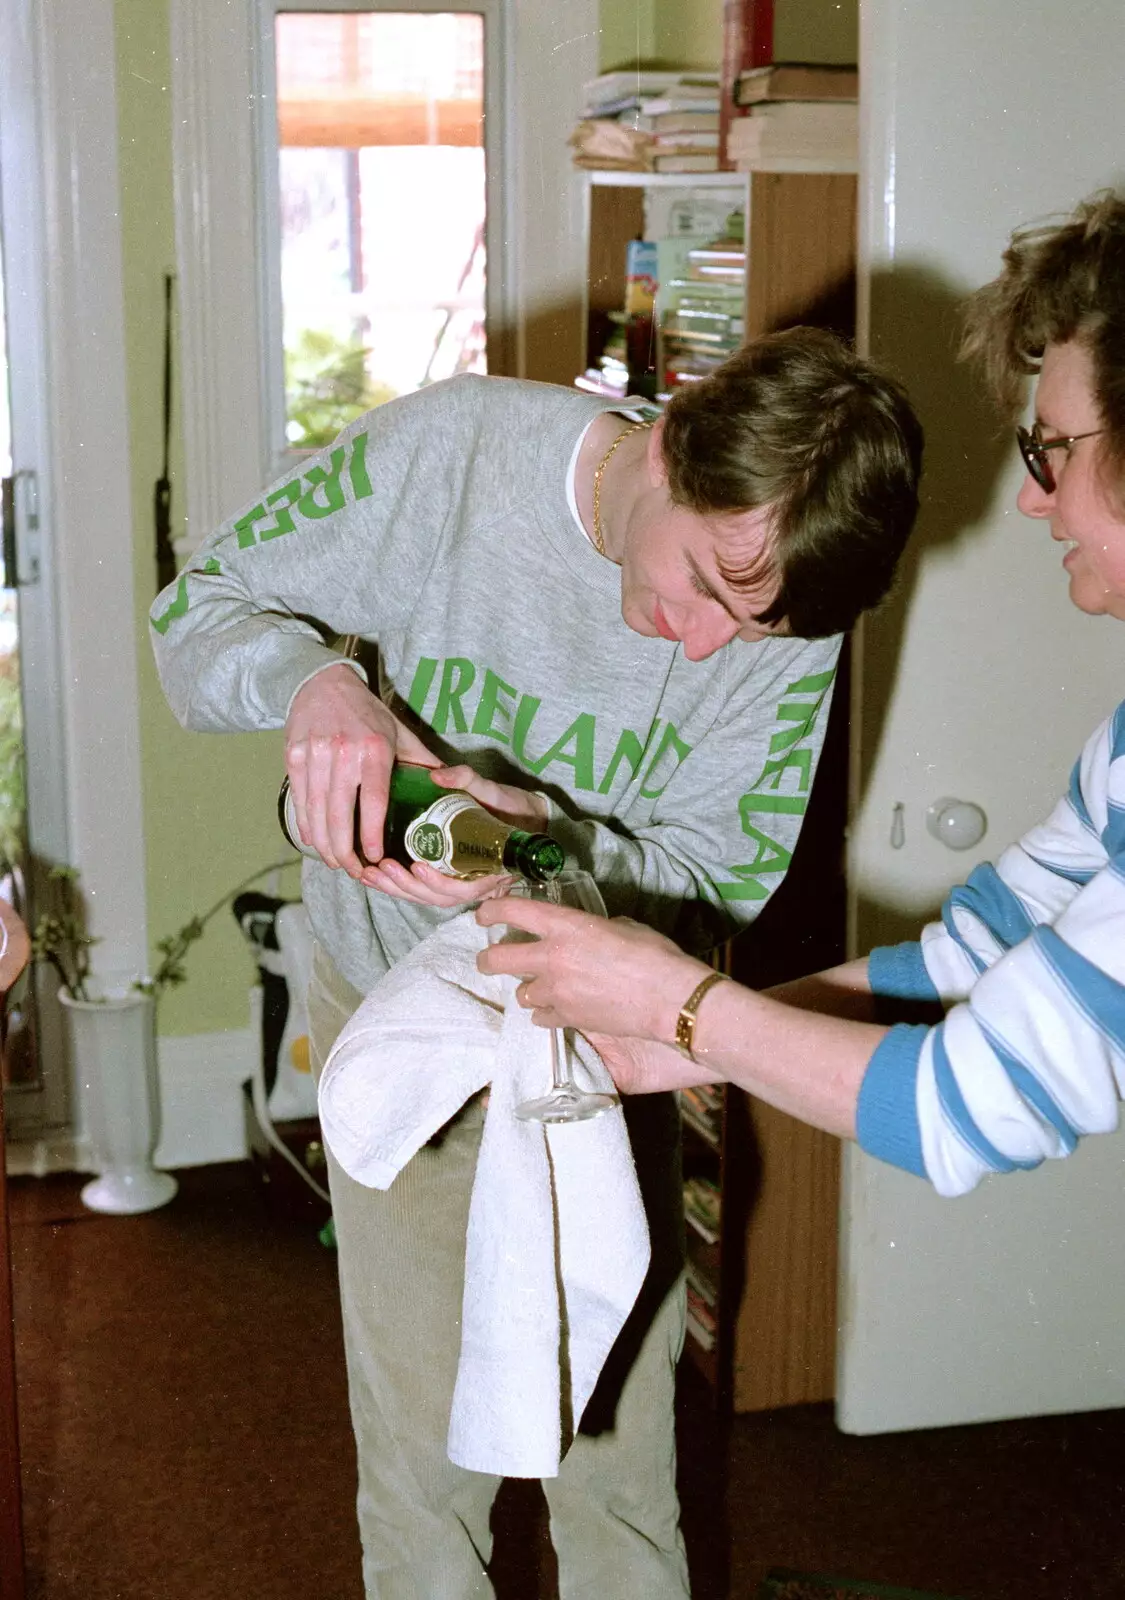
point(899, 971)
point(886, 1116)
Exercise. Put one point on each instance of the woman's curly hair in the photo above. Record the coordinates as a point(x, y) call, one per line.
point(1061, 281)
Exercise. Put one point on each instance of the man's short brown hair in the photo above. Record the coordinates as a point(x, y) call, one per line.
point(1060, 281)
point(798, 422)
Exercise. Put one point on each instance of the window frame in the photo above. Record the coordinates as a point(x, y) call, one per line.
point(497, 310)
point(538, 56)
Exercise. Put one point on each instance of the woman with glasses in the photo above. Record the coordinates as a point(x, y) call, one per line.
point(1028, 960)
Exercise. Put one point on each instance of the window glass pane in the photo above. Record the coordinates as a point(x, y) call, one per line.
point(382, 172)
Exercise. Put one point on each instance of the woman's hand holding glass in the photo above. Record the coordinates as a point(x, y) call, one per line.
point(601, 977)
point(513, 950)
point(620, 983)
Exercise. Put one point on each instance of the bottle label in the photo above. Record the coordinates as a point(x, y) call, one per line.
point(470, 848)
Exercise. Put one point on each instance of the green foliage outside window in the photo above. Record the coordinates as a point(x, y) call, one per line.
point(327, 385)
point(13, 793)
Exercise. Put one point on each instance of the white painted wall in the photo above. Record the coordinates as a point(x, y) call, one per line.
point(983, 683)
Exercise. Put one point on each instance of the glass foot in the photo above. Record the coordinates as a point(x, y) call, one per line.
point(566, 1105)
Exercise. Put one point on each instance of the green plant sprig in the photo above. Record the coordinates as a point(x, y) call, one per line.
point(172, 969)
point(59, 937)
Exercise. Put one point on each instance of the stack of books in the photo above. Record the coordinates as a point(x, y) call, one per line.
point(684, 141)
point(702, 1208)
point(796, 112)
point(702, 1109)
point(650, 122)
point(819, 134)
point(796, 80)
point(701, 1302)
point(702, 319)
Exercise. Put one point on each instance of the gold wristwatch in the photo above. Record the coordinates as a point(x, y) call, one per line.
point(685, 1022)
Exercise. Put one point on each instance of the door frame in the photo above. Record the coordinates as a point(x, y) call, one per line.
point(67, 365)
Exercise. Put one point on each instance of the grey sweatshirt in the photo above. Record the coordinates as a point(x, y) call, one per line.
point(438, 527)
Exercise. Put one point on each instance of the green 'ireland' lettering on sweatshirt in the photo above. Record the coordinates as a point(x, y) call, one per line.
point(521, 727)
point(671, 745)
point(490, 708)
point(630, 749)
point(420, 688)
point(770, 779)
point(788, 760)
point(575, 749)
point(457, 676)
point(178, 608)
point(357, 469)
point(318, 494)
point(179, 605)
point(473, 698)
point(326, 482)
point(769, 857)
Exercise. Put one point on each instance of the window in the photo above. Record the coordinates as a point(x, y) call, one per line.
point(380, 208)
point(514, 71)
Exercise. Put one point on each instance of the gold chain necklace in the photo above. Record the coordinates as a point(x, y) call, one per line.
point(599, 537)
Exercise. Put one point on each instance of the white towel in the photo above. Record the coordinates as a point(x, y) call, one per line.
point(557, 1245)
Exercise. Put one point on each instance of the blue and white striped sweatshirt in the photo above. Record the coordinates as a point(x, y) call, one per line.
point(1030, 956)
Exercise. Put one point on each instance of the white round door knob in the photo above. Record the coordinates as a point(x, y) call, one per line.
point(957, 823)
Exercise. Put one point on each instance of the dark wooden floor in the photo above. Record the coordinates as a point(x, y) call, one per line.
point(186, 1437)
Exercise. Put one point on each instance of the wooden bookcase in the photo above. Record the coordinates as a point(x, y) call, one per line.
point(773, 1263)
point(800, 231)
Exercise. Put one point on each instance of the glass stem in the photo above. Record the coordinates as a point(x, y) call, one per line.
point(560, 1061)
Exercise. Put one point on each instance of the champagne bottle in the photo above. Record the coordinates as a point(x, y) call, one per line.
point(447, 828)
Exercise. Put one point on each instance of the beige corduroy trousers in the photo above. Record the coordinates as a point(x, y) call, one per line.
point(424, 1522)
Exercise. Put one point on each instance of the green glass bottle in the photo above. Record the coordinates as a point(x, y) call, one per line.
point(447, 829)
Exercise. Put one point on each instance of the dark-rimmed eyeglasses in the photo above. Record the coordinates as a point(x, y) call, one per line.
point(1034, 448)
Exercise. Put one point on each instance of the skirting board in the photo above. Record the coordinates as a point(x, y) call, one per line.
point(201, 1075)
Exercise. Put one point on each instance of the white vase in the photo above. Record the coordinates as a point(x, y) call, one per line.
point(114, 1049)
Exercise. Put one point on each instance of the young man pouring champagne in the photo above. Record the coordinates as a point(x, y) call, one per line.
point(616, 630)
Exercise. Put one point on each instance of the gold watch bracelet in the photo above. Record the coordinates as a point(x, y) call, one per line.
point(689, 1013)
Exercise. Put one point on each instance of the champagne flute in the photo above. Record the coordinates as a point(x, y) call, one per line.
point(564, 1101)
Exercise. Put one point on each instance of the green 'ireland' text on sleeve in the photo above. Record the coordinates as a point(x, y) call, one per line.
point(723, 830)
point(235, 637)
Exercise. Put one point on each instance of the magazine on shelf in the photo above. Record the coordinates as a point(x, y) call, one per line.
point(615, 92)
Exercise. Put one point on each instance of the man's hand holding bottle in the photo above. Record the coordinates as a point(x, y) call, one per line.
point(341, 739)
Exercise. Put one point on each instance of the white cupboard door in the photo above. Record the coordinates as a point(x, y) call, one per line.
point(981, 682)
